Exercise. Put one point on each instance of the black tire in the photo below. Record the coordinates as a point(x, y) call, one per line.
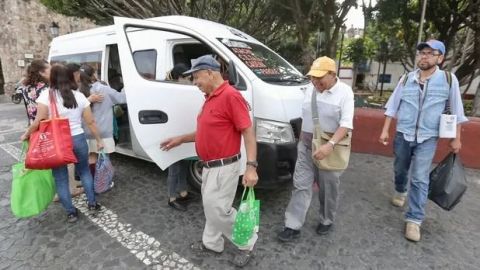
point(194, 175)
point(16, 98)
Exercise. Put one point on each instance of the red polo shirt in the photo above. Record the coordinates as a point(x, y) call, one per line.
point(219, 125)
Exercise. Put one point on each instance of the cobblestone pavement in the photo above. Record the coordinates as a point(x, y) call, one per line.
point(137, 230)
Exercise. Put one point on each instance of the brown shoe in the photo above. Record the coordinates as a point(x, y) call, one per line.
point(412, 231)
point(242, 258)
point(398, 200)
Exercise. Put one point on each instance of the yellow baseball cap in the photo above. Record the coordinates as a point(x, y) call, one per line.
point(322, 66)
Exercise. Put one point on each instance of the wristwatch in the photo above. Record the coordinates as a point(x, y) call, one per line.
point(332, 142)
point(252, 163)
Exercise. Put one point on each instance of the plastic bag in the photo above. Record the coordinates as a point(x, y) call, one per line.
point(102, 180)
point(51, 146)
point(32, 190)
point(247, 220)
point(447, 182)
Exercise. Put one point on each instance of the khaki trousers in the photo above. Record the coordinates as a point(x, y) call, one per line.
point(219, 186)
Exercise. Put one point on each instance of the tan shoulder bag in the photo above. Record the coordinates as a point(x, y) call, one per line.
point(338, 159)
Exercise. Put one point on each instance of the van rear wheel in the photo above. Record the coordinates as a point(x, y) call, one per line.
point(194, 175)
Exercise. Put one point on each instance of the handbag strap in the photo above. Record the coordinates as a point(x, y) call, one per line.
point(316, 122)
point(53, 104)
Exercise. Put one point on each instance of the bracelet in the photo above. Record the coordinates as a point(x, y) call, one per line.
point(332, 143)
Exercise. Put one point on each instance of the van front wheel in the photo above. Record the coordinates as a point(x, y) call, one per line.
point(194, 175)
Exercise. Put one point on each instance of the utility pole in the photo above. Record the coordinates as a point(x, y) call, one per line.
point(420, 30)
point(343, 29)
point(384, 46)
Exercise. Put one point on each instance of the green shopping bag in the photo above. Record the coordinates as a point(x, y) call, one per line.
point(248, 218)
point(32, 190)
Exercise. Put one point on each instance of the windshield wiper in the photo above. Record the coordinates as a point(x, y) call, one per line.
point(295, 79)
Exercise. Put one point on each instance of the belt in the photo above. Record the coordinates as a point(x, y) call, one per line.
point(221, 162)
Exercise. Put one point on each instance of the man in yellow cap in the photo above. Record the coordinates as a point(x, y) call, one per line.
point(335, 106)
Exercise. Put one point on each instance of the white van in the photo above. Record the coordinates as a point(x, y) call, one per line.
point(137, 54)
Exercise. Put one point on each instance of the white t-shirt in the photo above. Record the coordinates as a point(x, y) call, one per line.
point(335, 108)
point(74, 115)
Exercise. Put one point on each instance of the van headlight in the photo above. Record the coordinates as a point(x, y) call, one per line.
point(273, 132)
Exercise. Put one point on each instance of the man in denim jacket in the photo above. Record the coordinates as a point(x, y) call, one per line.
point(417, 103)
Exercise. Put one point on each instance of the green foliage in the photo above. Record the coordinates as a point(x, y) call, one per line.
point(359, 50)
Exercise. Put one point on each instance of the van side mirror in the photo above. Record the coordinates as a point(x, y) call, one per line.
point(232, 74)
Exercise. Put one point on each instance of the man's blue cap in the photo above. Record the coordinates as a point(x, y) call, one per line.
point(203, 62)
point(432, 43)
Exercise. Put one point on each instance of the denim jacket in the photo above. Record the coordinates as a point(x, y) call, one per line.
point(419, 111)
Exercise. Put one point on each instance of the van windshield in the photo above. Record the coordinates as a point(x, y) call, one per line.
point(264, 63)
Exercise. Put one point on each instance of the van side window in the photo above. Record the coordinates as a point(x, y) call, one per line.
point(146, 63)
point(114, 72)
point(93, 59)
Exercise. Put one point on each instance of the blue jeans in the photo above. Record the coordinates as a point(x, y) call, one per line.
point(177, 178)
point(418, 158)
point(80, 149)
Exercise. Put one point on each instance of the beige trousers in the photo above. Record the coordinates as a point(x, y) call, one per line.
point(219, 186)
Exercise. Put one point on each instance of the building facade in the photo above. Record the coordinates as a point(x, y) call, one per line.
point(26, 36)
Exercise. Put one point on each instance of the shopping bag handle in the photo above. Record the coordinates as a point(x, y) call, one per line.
point(53, 104)
point(24, 150)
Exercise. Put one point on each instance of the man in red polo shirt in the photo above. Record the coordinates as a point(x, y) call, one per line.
point(221, 123)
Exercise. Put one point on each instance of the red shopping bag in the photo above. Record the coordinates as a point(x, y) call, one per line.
point(51, 145)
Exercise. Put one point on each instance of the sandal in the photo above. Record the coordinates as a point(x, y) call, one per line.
point(77, 191)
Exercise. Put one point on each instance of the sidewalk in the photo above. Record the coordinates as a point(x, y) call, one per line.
point(4, 99)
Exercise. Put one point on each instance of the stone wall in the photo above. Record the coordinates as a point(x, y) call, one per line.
point(25, 32)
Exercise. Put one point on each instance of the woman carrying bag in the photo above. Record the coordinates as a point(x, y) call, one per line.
point(102, 112)
point(73, 106)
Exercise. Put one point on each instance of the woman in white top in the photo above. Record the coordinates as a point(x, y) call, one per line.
point(73, 105)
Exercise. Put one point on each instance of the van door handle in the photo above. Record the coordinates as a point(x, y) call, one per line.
point(152, 117)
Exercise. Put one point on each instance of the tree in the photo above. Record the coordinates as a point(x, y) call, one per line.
point(455, 22)
point(358, 51)
point(246, 15)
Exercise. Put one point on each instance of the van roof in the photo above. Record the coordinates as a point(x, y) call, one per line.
point(204, 27)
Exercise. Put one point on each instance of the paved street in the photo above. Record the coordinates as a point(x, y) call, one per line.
point(137, 230)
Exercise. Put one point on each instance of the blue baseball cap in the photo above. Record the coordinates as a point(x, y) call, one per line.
point(203, 62)
point(432, 43)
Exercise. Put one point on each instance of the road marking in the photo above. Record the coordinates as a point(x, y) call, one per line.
point(15, 152)
point(145, 248)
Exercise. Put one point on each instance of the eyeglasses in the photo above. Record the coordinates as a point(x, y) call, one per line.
point(427, 54)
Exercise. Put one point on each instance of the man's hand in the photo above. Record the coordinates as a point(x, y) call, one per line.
point(384, 138)
point(323, 151)
point(170, 143)
point(455, 145)
point(250, 177)
point(95, 98)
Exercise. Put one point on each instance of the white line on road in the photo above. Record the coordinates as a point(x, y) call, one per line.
point(145, 248)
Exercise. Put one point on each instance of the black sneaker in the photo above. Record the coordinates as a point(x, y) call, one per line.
point(93, 209)
point(189, 197)
point(323, 229)
point(177, 206)
point(73, 217)
point(288, 235)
